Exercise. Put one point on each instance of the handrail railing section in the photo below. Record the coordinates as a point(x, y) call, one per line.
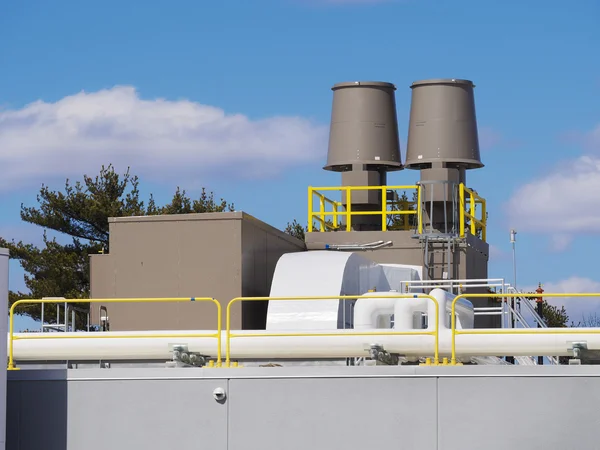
point(501, 331)
point(383, 332)
point(88, 335)
point(394, 210)
point(469, 218)
point(399, 211)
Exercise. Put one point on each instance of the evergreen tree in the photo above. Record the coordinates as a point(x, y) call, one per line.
point(80, 212)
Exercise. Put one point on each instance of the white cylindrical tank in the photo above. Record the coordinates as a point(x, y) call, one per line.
point(3, 334)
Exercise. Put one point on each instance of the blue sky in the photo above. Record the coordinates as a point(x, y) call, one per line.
point(235, 96)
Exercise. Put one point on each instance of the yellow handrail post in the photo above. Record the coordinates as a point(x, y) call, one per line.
point(322, 210)
point(472, 213)
point(310, 209)
point(419, 210)
point(348, 209)
point(484, 221)
point(335, 215)
point(383, 208)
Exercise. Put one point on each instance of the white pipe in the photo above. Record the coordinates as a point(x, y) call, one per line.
point(368, 310)
point(341, 344)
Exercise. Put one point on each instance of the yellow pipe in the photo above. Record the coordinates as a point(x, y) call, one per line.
point(366, 188)
point(12, 338)
point(229, 334)
point(456, 332)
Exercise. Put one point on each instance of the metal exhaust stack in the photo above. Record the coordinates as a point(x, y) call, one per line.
point(364, 143)
point(442, 143)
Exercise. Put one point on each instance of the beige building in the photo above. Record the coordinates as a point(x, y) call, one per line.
point(220, 255)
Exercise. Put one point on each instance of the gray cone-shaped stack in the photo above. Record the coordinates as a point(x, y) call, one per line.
point(364, 127)
point(443, 125)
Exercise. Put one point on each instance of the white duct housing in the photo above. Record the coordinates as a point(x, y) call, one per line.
point(328, 274)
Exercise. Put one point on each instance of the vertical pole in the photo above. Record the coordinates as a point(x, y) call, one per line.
point(513, 241)
point(462, 207)
point(540, 311)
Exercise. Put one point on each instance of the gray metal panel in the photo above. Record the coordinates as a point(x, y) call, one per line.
point(345, 413)
point(149, 414)
point(37, 415)
point(443, 124)
point(518, 413)
point(364, 126)
point(117, 415)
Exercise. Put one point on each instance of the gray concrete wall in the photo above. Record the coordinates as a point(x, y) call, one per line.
point(351, 408)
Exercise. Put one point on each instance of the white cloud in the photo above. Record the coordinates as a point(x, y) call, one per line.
point(162, 138)
point(496, 252)
point(561, 203)
point(488, 138)
point(560, 242)
point(576, 307)
point(592, 139)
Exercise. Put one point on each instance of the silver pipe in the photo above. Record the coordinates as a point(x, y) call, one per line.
point(358, 247)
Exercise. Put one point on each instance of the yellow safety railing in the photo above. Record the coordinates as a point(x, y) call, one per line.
point(93, 335)
point(328, 212)
point(475, 225)
point(383, 332)
point(502, 331)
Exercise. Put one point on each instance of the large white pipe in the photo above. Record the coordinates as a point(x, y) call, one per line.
point(341, 344)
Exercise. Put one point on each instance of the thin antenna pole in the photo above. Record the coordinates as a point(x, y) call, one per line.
point(513, 241)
